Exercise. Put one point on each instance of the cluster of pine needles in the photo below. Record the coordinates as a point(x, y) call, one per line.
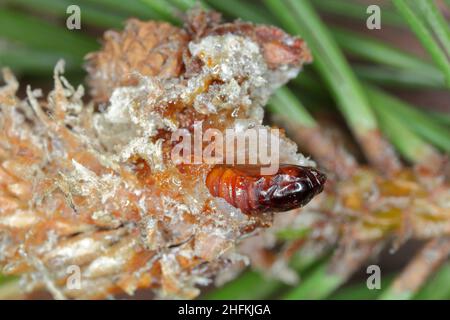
point(349, 76)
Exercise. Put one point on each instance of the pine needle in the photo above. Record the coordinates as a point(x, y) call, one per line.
point(419, 27)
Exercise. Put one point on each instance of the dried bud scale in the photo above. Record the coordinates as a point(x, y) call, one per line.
point(99, 190)
point(143, 48)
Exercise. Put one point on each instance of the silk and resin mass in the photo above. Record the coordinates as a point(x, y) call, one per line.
point(93, 185)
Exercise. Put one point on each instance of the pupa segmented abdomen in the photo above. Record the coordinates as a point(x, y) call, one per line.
point(291, 187)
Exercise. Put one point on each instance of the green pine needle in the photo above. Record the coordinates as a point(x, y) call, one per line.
point(299, 17)
point(360, 291)
point(318, 284)
point(34, 61)
point(129, 8)
point(293, 234)
point(42, 35)
point(436, 21)
point(358, 11)
point(254, 285)
point(410, 146)
point(250, 285)
point(381, 53)
point(436, 288)
point(286, 103)
point(418, 121)
point(163, 10)
point(90, 15)
point(246, 10)
point(418, 25)
point(390, 77)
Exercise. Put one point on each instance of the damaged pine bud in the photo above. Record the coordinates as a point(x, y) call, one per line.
point(94, 185)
